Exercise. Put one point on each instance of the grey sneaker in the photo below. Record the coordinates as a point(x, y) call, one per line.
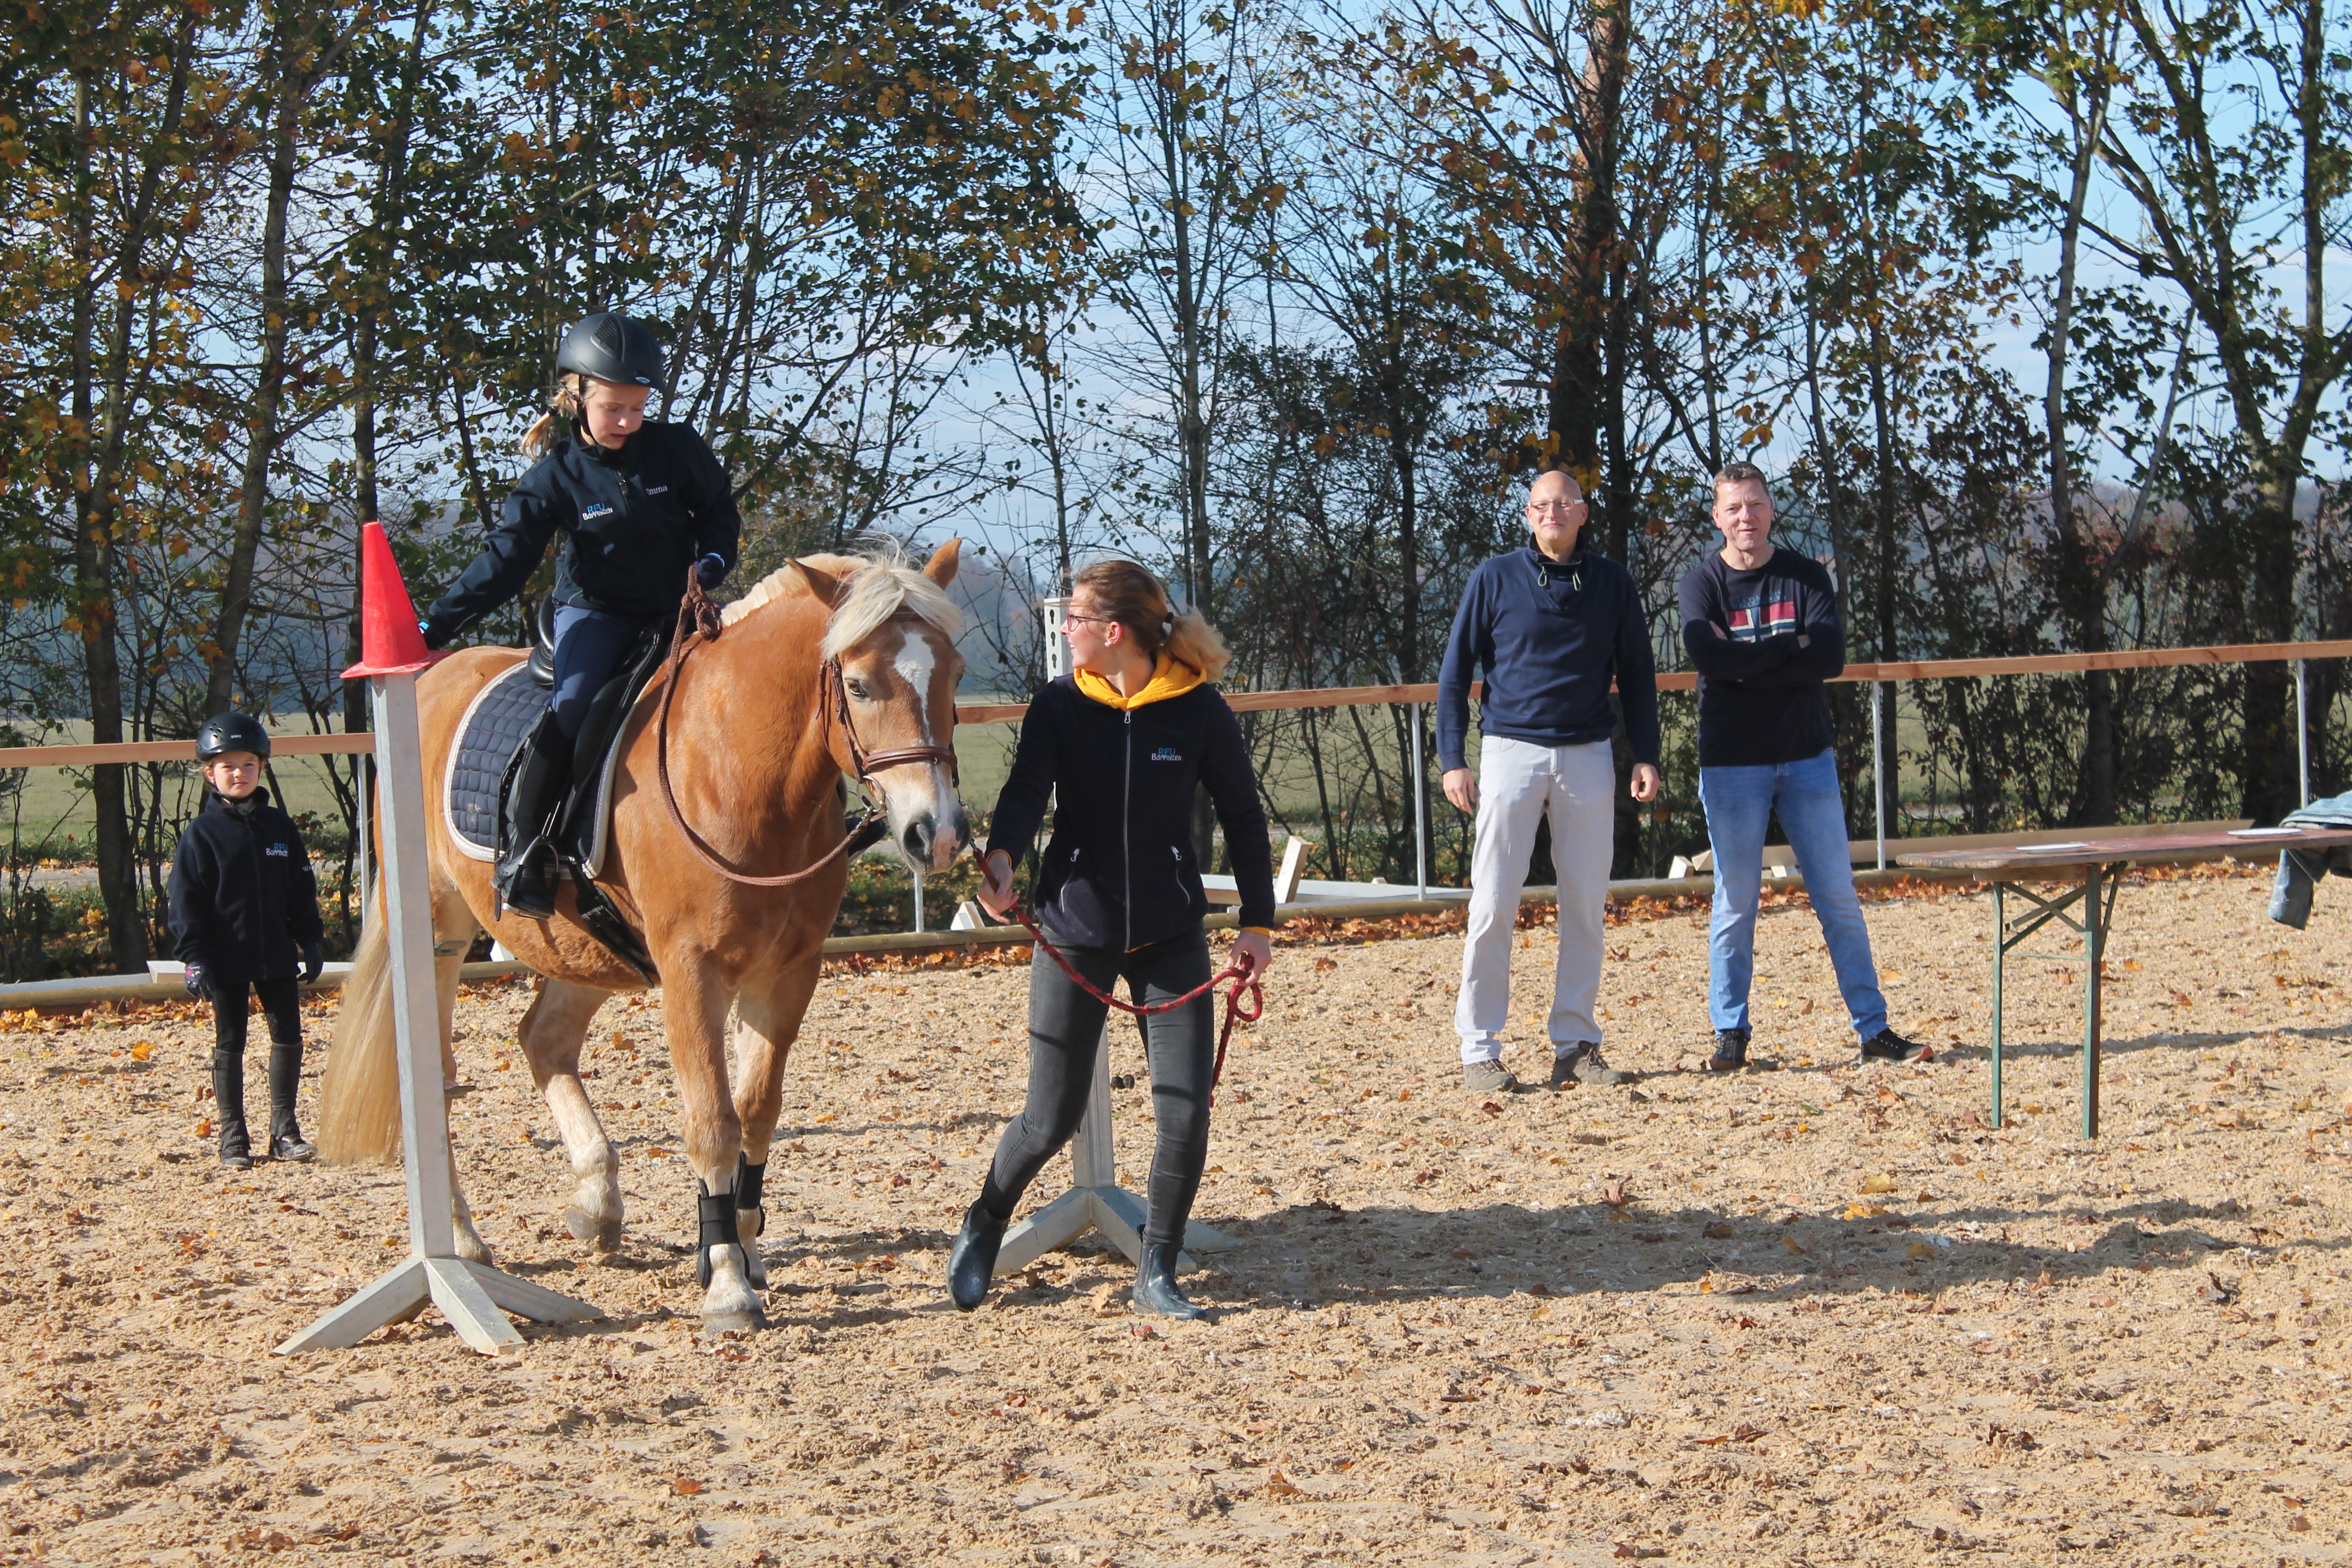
point(1487, 1078)
point(1585, 1066)
point(1730, 1051)
point(1886, 1045)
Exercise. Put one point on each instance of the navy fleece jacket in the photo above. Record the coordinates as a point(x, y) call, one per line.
point(1548, 636)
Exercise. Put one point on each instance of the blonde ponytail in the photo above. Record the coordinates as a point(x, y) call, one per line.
point(554, 428)
point(1125, 592)
point(1193, 640)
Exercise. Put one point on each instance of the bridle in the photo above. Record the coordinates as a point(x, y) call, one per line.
point(698, 623)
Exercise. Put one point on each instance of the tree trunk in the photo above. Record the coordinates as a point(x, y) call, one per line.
point(262, 423)
point(2082, 579)
point(1577, 408)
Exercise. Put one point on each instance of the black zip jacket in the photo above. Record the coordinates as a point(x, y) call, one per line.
point(244, 902)
point(636, 519)
point(1119, 871)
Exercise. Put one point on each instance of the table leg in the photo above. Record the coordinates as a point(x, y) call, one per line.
point(2000, 951)
point(2093, 942)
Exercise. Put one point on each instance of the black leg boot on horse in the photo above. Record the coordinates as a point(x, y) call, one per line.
point(526, 873)
point(228, 1103)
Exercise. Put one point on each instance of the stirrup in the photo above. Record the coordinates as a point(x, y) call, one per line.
point(527, 883)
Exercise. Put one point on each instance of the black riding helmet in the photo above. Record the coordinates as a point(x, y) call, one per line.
point(232, 732)
point(609, 346)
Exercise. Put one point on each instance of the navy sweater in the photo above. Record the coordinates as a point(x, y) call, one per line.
point(244, 902)
point(1548, 636)
point(1761, 697)
point(635, 521)
point(1120, 871)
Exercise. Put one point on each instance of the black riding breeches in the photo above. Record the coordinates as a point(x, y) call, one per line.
point(1066, 1029)
point(281, 1004)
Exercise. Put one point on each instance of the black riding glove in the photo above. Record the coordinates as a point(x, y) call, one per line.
point(198, 986)
point(436, 634)
point(710, 570)
point(314, 964)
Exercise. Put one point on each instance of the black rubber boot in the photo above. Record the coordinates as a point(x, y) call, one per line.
point(526, 873)
point(228, 1108)
point(1156, 1295)
point(971, 1263)
point(286, 1139)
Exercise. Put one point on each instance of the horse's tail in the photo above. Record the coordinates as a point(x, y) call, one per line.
point(359, 1096)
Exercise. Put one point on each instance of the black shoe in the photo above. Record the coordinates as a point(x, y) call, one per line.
point(286, 1139)
point(971, 1262)
point(1730, 1051)
point(1886, 1045)
point(1156, 1295)
point(229, 1105)
point(526, 871)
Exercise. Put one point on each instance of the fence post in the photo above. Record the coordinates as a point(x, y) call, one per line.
point(1420, 813)
point(2302, 728)
point(1878, 765)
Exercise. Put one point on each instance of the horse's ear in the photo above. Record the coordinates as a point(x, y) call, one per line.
point(941, 567)
point(827, 587)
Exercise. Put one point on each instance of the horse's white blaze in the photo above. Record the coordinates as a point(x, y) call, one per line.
point(916, 664)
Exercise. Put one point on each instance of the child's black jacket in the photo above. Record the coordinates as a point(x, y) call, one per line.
point(244, 902)
point(1120, 871)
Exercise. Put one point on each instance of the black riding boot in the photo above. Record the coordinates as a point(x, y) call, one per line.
point(228, 1106)
point(971, 1263)
point(1156, 1295)
point(286, 1139)
point(526, 873)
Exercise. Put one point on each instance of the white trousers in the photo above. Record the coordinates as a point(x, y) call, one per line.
point(1518, 783)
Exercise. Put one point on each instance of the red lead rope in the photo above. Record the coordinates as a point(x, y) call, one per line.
point(1243, 986)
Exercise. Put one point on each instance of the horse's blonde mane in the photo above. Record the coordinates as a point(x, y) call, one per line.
point(880, 583)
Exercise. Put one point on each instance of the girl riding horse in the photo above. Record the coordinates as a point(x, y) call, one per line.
point(638, 502)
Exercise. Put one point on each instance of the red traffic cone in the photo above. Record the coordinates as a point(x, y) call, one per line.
point(390, 640)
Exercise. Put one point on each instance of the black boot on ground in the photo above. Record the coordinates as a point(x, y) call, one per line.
point(971, 1263)
point(526, 873)
point(286, 1139)
point(1156, 1295)
point(228, 1110)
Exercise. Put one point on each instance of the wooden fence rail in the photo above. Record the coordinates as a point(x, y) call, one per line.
point(1326, 697)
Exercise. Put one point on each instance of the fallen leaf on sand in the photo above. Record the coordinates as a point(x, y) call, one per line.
point(2221, 1295)
point(1882, 1182)
point(1718, 1231)
point(1278, 1485)
point(1612, 1192)
point(686, 1486)
point(1790, 1243)
point(1920, 1250)
point(1639, 1553)
point(1864, 1211)
point(143, 1050)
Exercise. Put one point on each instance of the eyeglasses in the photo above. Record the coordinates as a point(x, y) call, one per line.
point(1576, 504)
point(1070, 615)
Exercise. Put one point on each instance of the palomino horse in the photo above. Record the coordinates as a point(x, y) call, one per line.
point(834, 664)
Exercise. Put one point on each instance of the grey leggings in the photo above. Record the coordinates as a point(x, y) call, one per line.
point(1065, 1027)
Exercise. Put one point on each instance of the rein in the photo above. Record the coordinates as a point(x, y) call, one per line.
point(699, 623)
point(1242, 986)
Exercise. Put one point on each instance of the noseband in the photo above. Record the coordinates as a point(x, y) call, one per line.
point(698, 623)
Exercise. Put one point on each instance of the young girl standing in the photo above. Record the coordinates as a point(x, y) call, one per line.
point(244, 912)
point(639, 502)
point(1122, 744)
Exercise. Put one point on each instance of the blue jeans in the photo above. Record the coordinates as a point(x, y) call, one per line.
point(589, 647)
point(1739, 804)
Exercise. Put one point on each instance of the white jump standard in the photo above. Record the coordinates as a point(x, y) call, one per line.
point(470, 1294)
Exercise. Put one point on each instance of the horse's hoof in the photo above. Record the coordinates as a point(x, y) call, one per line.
point(585, 1226)
point(745, 1323)
point(474, 1250)
point(755, 1268)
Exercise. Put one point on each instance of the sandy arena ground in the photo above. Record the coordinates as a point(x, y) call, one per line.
point(1834, 1319)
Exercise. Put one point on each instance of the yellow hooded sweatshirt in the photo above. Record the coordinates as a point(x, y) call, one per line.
point(1169, 678)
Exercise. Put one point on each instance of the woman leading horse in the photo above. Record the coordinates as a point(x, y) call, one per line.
point(1122, 744)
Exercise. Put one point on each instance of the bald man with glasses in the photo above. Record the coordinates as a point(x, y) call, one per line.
point(1549, 627)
